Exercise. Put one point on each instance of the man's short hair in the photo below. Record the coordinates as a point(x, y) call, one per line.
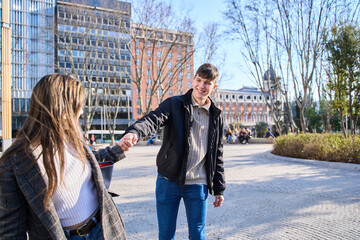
point(207, 71)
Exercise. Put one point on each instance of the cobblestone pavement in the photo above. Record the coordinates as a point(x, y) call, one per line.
point(267, 197)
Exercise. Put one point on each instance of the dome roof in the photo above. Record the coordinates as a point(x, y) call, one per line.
point(270, 73)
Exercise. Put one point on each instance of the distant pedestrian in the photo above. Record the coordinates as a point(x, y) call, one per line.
point(277, 133)
point(269, 134)
point(92, 142)
point(228, 135)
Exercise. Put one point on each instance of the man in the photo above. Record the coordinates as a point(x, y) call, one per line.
point(190, 160)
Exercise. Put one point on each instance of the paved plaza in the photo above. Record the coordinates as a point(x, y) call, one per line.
point(267, 197)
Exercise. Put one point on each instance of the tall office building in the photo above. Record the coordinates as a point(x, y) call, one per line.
point(32, 51)
point(92, 39)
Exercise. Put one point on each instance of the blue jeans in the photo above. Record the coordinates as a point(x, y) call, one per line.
point(94, 234)
point(168, 196)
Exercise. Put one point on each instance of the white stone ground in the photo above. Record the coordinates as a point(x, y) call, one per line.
point(267, 197)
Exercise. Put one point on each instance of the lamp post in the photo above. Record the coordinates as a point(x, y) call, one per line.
point(6, 75)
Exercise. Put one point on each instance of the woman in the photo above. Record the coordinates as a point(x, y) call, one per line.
point(51, 186)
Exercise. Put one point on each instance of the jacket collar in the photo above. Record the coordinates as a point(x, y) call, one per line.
point(214, 111)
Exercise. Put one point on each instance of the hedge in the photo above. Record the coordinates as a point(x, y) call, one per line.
point(316, 146)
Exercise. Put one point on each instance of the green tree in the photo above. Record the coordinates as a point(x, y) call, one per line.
point(343, 87)
point(314, 118)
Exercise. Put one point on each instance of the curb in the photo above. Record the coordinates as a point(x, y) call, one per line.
point(335, 165)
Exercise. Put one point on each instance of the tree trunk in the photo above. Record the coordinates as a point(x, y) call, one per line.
point(342, 123)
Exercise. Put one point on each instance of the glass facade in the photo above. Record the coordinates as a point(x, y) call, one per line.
point(87, 41)
point(32, 46)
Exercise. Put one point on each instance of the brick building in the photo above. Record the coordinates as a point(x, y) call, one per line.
point(162, 66)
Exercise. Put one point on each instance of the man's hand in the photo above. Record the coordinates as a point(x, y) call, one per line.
point(219, 199)
point(127, 141)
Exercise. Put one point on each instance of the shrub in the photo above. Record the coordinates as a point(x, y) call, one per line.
point(324, 147)
point(260, 129)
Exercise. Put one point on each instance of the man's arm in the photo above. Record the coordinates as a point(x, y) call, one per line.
point(219, 177)
point(149, 124)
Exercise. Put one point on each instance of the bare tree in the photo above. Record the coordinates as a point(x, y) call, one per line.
point(251, 24)
point(301, 24)
point(75, 41)
point(91, 42)
point(209, 51)
point(160, 56)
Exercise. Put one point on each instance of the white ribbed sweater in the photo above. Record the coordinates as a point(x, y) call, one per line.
point(75, 199)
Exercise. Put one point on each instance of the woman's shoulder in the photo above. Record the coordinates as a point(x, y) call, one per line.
point(7, 162)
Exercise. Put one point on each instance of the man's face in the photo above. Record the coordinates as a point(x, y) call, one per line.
point(202, 88)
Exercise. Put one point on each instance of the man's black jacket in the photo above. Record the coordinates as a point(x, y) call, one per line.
point(175, 114)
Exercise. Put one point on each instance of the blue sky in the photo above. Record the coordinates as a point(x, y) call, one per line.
point(206, 11)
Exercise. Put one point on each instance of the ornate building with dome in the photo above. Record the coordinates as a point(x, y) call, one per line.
point(247, 106)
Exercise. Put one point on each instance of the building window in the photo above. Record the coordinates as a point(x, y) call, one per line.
point(170, 92)
point(159, 44)
point(188, 66)
point(159, 54)
point(169, 74)
point(137, 42)
point(138, 101)
point(148, 72)
point(189, 75)
point(148, 62)
point(169, 55)
point(138, 111)
point(158, 63)
point(169, 64)
point(189, 84)
point(148, 53)
point(137, 51)
point(137, 61)
point(148, 43)
point(179, 56)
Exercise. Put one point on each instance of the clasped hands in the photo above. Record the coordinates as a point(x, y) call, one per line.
point(127, 141)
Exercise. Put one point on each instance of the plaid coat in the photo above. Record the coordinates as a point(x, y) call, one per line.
point(22, 193)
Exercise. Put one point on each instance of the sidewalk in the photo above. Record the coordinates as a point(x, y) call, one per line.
point(267, 197)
